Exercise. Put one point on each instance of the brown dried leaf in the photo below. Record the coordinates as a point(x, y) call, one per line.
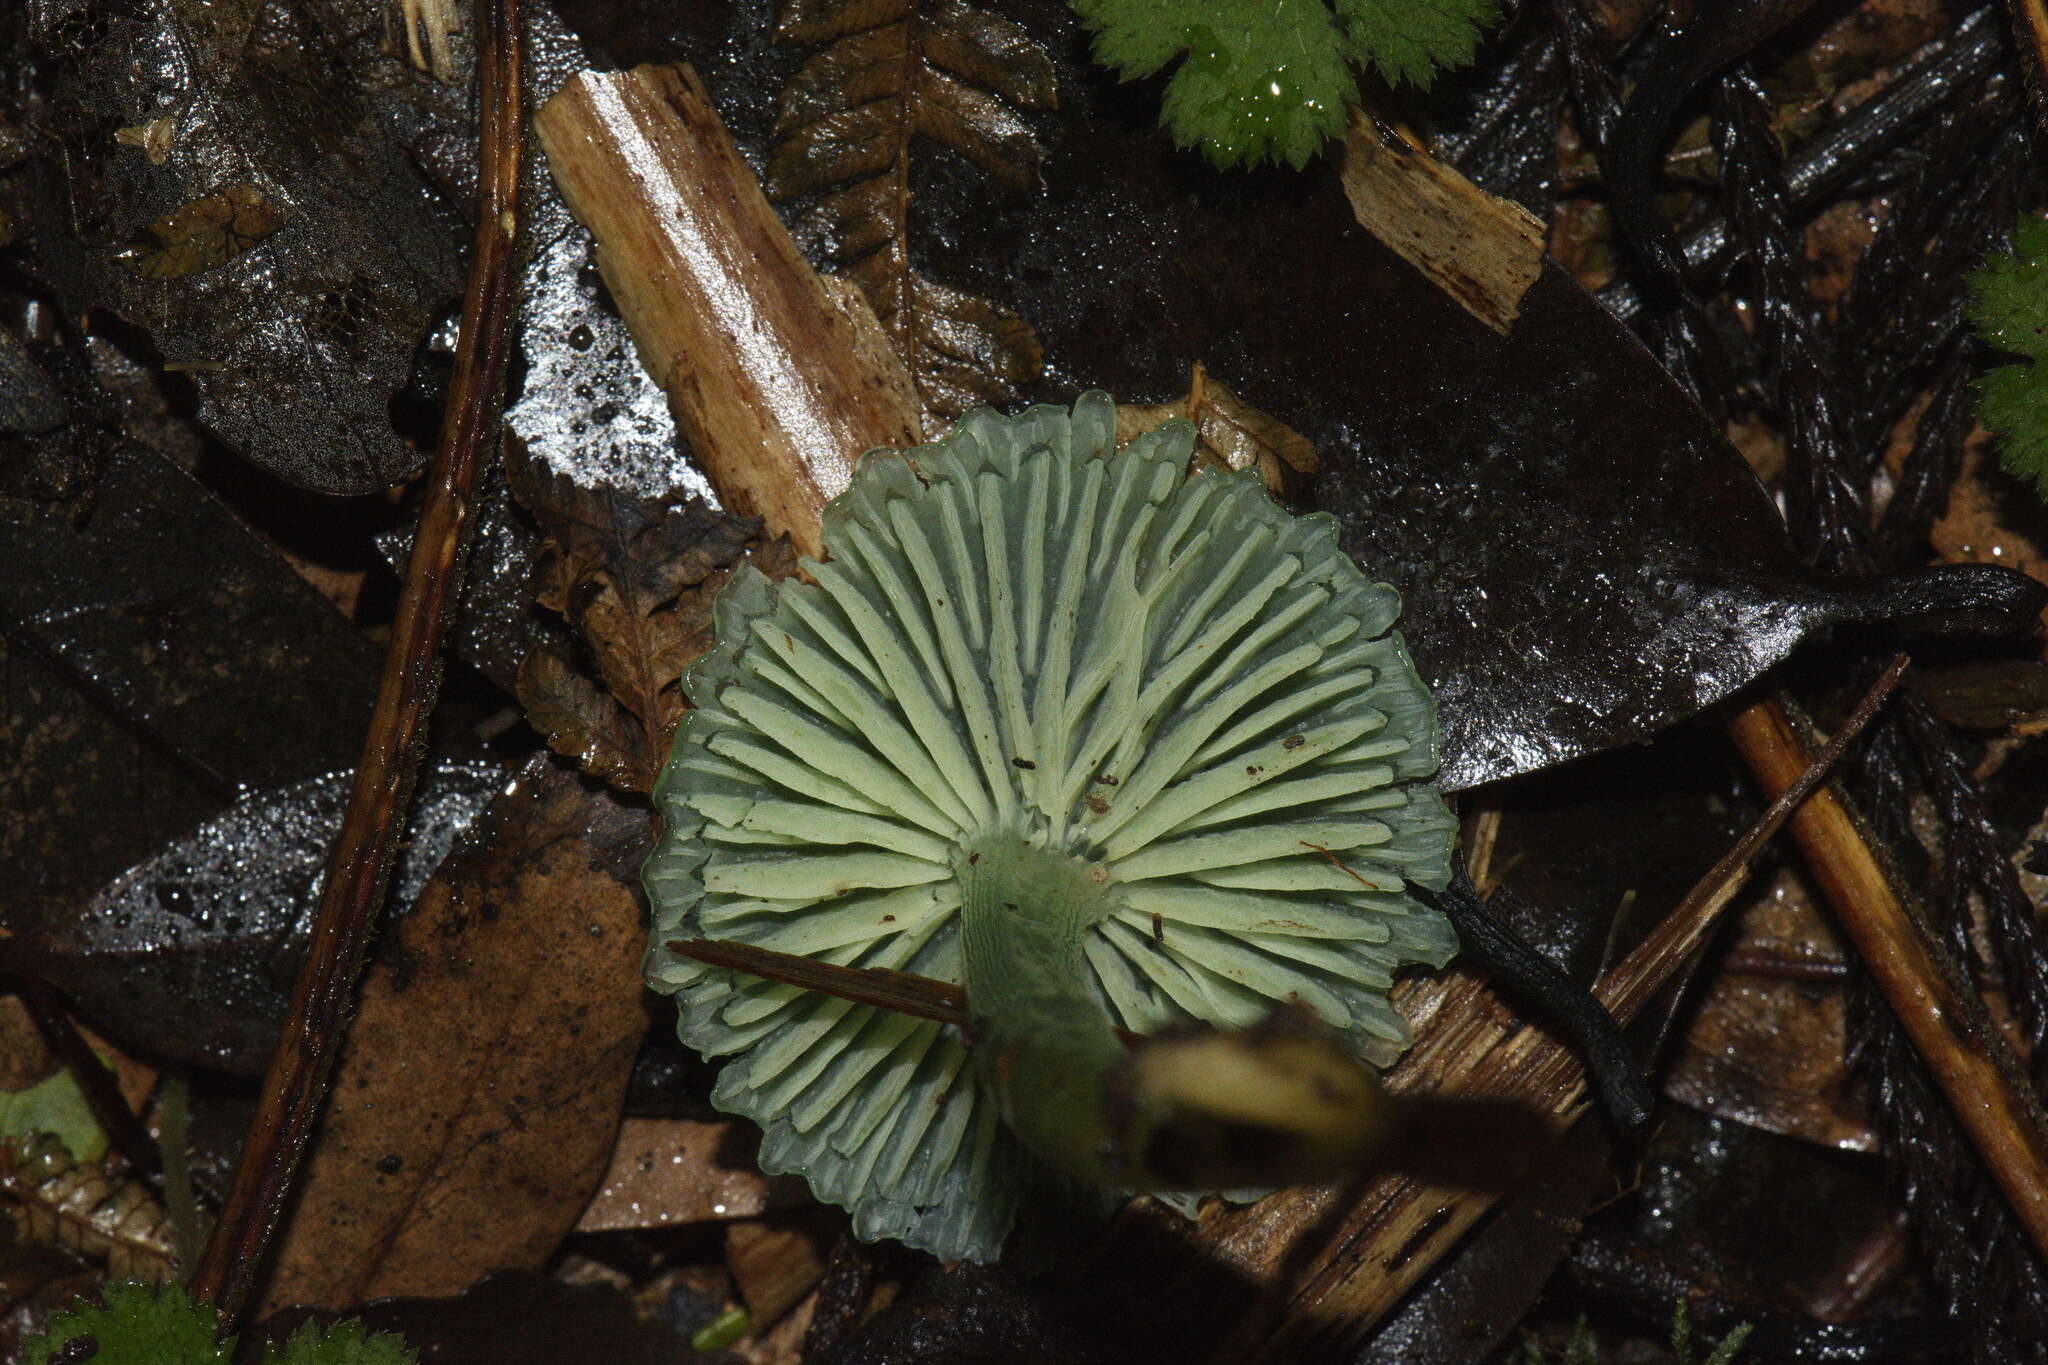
point(1230, 433)
point(893, 70)
point(479, 1093)
point(580, 721)
point(80, 1209)
point(1766, 1045)
point(671, 1171)
point(24, 1060)
point(204, 233)
point(635, 580)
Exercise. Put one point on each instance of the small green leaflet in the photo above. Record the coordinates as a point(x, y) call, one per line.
point(57, 1107)
point(2009, 307)
point(1272, 78)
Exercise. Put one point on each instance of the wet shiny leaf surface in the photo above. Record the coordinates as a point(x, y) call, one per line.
point(296, 264)
point(192, 953)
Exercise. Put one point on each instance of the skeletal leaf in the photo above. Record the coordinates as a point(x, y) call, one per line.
point(76, 1206)
point(891, 71)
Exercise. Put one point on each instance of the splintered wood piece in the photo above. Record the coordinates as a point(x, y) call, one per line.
point(1483, 251)
point(781, 378)
point(774, 1263)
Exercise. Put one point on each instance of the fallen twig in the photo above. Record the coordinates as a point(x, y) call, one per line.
point(1964, 1051)
point(359, 867)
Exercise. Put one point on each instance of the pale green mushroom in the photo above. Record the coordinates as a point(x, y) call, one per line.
point(1110, 746)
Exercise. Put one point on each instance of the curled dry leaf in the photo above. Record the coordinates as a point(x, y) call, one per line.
point(77, 1207)
point(891, 71)
point(1230, 433)
point(478, 1094)
point(634, 578)
point(1765, 1045)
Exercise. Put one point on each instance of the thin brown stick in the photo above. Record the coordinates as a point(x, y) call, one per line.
point(1964, 1051)
point(109, 1105)
point(902, 992)
point(359, 867)
point(1399, 1227)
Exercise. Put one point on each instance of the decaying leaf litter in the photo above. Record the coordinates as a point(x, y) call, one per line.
point(1127, 265)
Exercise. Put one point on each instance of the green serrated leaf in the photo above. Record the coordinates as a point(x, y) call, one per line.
point(343, 1343)
point(138, 1324)
point(1411, 40)
point(57, 1108)
point(2009, 308)
point(1270, 79)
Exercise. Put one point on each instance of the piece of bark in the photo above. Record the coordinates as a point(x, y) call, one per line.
point(781, 378)
point(670, 1171)
point(775, 1263)
point(1483, 251)
point(476, 1102)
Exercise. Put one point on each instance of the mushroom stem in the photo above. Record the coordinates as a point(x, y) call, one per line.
point(1044, 1043)
point(1189, 1109)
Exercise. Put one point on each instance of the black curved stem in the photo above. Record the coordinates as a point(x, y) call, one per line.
point(1986, 597)
point(1557, 999)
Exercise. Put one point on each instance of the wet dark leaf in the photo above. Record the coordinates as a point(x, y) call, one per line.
point(887, 75)
point(1766, 1039)
point(193, 953)
point(301, 256)
point(634, 578)
point(965, 1312)
point(1749, 1218)
point(480, 1086)
point(1990, 694)
point(160, 659)
point(1584, 557)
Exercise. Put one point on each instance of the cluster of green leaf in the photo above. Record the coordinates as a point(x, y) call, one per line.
point(1273, 78)
point(141, 1324)
point(54, 1107)
point(2009, 306)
